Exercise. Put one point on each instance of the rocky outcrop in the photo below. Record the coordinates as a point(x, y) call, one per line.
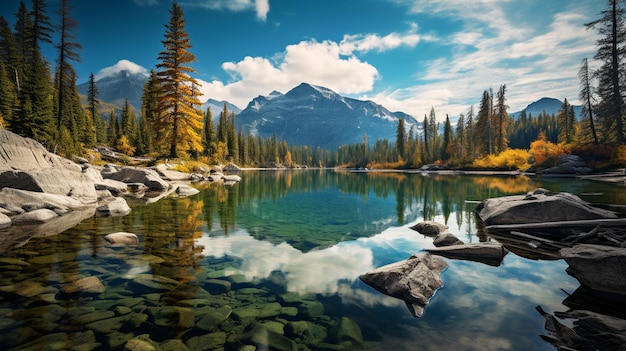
point(414, 280)
point(569, 165)
point(600, 268)
point(27, 165)
point(446, 239)
point(537, 207)
point(148, 177)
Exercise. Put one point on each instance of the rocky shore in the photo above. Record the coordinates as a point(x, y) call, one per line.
point(44, 194)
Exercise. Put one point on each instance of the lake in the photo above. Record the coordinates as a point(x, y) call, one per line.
point(275, 259)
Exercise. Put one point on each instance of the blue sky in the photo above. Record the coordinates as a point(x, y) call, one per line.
point(408, 55)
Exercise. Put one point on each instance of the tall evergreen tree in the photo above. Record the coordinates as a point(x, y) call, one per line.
point(177, 103)
point(611, 49)
point(68, 108)
point(502, 120)
point(566, 120)
point(93, 107)
point(585, 96)
point(484, 128)
point(208, 136)
point(151, 131)
point(401, 139)
point(446, 148)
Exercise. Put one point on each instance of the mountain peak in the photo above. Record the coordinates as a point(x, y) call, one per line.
point(122, 67)
point(308, 89)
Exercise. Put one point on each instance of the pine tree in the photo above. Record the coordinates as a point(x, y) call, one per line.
point(483, 132)
point(446, 148)
point(177, 102)
point(502, 121)
point(208, 134)
point(150, 129)
point(401, 140)
point(460, 137)
point(566, 120)
point(586, 99)
point(68, 108)
point(611, 48)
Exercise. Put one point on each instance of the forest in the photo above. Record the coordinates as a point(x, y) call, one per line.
point(42, 102)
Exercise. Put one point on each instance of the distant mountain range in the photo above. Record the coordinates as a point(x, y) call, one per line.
point(546, 105)
point(306, 115)
point(316, 116)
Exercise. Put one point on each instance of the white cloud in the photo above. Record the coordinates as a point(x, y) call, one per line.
point(319, 63)
point(364, 43)
point(121, 65)
point(261, 7)
point(146, 2)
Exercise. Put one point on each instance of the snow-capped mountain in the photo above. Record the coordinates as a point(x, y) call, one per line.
point(116, 83)
point(546, 105)
point(317, 116)
point(217, 107)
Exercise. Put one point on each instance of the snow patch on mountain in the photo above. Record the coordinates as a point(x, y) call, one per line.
point(121, 66)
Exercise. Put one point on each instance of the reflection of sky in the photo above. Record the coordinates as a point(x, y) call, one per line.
point(496, 304)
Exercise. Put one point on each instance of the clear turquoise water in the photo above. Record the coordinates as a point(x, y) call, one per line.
point(276, 235)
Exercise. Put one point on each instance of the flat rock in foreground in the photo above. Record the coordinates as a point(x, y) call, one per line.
point(537, 207)
point(414, 280)
point(490, 253)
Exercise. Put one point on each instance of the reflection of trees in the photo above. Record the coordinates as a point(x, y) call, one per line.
point(171, 236)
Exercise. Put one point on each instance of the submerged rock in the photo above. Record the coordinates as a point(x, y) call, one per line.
point(414, 280)
point(122, 238)
point(537, 207)
point(446, 239)
point(89, 285)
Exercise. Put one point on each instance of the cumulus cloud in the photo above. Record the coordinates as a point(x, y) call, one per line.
point(319, 63)
point(121, 65)
point(364, 43)
point(261, 7)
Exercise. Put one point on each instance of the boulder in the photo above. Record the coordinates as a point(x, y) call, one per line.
point(569, 165)
point(41, 215)
point(232, 178)
point(122, 238)
point(414, 280)
point(600, 268)
point(490, 253)
point(429, 228)
point(148, 177)
point(446, 239)
point(538, 207)
point(215, 176)
point(25, 164)
point(186, 190)
point(114, 186)
point(170, 175)
point(5, 221)
point(89, 285)
point(114, 207)
point(231, 167)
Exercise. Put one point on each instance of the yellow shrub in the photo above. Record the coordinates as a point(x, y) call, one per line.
point(512, 159)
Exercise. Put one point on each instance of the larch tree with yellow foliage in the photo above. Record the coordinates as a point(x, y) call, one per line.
point(180, 120)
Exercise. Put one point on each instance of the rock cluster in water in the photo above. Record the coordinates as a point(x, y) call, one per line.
point(43, 194)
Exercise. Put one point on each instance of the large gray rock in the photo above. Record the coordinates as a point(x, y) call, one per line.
point(600, 268)
point(569, 165)
point(41, 215)
point(25, 164)
point(16, 198)
point(148, 177)
point(414, 280)
point(171, 175)
point(490, 253)
point(538, 207)
point(114, 207)
point(429, 228)
point(446, 239)
point(122, 238)
point(5, 221)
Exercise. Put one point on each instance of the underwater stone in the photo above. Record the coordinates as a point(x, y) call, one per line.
point(25, 289)
point(87, 285)
point(216, 286)
point(173, 345)
point(310, 333)
point(122, 238)
point(347, 330)
point(175, 317)
point(265, 338)
point(148, 283)
point(209, 341)
point(138, 345)
point(269, 310)
point(213, 318)
point(289, 311)
point(311, 308)
point(274, 326)
point(93, 317)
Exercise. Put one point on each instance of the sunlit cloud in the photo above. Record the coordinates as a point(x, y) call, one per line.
point(363, 43)
point(121, 65)
point(261, 7)
point(318, 63)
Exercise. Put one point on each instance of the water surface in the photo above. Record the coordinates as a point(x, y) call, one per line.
point(277, 257)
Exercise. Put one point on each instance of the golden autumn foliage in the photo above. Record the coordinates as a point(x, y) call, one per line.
point(124, 146)
point(543, 151)
point(511, 159)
